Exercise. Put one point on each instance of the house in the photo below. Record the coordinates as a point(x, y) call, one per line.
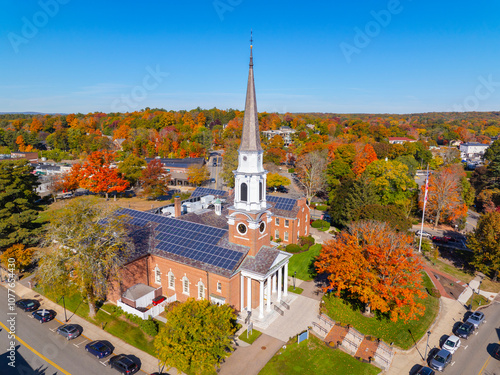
point(471, 150)
point(400, 140)
point(216, 245)
point(285, 132)
point(178, 169)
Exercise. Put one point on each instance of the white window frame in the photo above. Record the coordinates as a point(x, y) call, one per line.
point(184, 281)
point(287, 223)
point(285, 237)
point(219, 286)
point(277, 221)
point(276, 234)
point(201, 290)
point(157, 275)
point(171, 280)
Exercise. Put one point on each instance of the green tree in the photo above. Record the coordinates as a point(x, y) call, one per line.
point(485, 242)
point(230, 161)
point(131, 168)
point(18, 210)
point(275, 180)
point(361, 193)
point(87, 246)
point(196, 337)
point(492, 155)
point(410, 162)
point(390, 214)
point(391, 180)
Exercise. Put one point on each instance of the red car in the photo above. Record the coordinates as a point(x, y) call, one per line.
point(158, 300)
point(440, 239)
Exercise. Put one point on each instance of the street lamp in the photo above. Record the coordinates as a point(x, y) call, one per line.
point(294, 277)
point(428, 335)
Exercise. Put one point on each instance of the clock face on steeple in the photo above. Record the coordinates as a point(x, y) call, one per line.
point(262, 227)
point(242, 228)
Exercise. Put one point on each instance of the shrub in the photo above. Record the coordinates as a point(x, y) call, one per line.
point(434, 292)
point(321, 207)
point(306, 242)
point(291, 170)
point(114, 310)
point(149, 326)
point(293, 248)
point(321, 224)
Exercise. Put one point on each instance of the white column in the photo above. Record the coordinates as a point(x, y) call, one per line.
point(280, 276)
point(249, 294)
point(261, 299)
point(268, 309)
point(285, 281)
point(273, 282)
point(242, 292)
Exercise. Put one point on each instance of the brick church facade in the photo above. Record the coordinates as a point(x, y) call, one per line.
point(223, 250)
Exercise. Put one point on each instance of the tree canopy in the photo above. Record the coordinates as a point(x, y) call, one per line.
point(485, 242)
point(196, 337)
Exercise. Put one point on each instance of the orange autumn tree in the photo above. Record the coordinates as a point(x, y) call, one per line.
point(362, 159)
point(444, 197)
point(71, 180)
point(376, 265)
point(99, 176)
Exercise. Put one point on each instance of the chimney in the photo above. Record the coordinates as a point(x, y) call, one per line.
point(218, 207)
point(177, 205)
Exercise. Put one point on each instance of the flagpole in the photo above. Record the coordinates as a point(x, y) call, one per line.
point(423, 210)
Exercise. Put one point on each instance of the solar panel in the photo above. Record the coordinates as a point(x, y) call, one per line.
point(201, 192)
point(282, 203)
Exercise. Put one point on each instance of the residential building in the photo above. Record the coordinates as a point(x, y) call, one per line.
point(285, 132)
point(471, 150)
point(400, 140)
point(178, 169)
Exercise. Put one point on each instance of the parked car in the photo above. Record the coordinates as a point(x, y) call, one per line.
point(44, 315)
point(465, 330)
point(496, 352)
point(70, 331)
point(158, 300)
point(439, 239)
point(451, 344)
point(425, 371)
point(123, 364)
point(476, 319)
point(440, 360)
point(28, 304)
point(98, 348)
point(424, 233)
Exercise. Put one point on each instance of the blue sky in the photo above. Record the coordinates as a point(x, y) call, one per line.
point(317, 56)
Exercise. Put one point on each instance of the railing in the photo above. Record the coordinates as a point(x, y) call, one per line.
point(276, 308)
point(384, 362)
point(350, 345)
point(320, 328)
point(326, 319)
point(285, 305)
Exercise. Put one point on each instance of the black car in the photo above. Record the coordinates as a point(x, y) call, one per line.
point(496, 352)
point(426, 371)
point(98, 348)
point(44, 315)
point(28, 304)
point(123, 364)
point(70, 331)
point(465, 330)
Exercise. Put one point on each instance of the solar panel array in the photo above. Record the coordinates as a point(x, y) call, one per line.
point(190, 240)
point(201, 192)
point(282, 203)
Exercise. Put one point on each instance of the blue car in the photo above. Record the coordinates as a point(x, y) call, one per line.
point(99, 348)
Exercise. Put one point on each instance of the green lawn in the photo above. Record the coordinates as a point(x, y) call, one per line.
point(313, 356)
point(381, 327)
point(251, 338)
point(477, 300)
point(303, 263)
point(453, 271)
point(296, 291)
point(119, 327)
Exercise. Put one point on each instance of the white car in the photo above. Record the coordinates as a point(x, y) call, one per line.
point(424, 234)
point(451, 344)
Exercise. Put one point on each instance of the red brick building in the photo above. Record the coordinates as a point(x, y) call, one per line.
point(217, 246)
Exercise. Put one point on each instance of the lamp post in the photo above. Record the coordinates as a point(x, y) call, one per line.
point(294, 277)
point(426, 346)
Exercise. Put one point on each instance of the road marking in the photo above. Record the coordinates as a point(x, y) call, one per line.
point(105, 362)
point(452, 363)
point(485, 363)
point(53, 329)
point(465, 347)
point(38, 354)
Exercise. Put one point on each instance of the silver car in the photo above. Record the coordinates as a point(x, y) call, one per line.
point(70, 331)
point(476, 319)
point(440, 360)
point(451, 344)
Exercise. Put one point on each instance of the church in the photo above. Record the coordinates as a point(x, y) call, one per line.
point(217, 246)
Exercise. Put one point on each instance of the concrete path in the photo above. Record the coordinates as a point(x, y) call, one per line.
point(249, 360)
point(149, 364)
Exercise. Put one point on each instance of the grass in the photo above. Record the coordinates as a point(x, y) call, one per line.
point(313, 356)
point(402, 334)
point(119, 327)
point(453, 271)
point(303, 263)
point(477, 300)
point(251, 338)
point(490, 286)
point(296, 291)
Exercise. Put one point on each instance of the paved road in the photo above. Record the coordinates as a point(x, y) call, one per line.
point(474, 357)
point(39, 350)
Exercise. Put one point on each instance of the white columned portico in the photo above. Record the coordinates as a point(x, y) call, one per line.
point(268, 308)
point(242, 292)
point(280, 276)
point(273, 282)
point(249, 294)
point(261, 299)
point(285, 281)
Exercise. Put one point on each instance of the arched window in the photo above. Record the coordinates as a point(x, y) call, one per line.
point(171, 280)
point(244, 192)
point(185, 285)
point(157, 275)
point(260, 190)
point(201, 290)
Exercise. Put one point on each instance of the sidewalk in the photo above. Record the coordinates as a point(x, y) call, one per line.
point(149, 364)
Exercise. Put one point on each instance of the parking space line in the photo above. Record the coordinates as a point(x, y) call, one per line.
point(452, 363)
point(53, 329)
point(78, 345)
point(465, 347)
point(104, 363)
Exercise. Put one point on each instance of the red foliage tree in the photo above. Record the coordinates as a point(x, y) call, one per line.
point(154, 179)
point(363, 159)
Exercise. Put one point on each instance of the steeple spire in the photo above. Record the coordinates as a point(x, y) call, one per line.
point(250, 139)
